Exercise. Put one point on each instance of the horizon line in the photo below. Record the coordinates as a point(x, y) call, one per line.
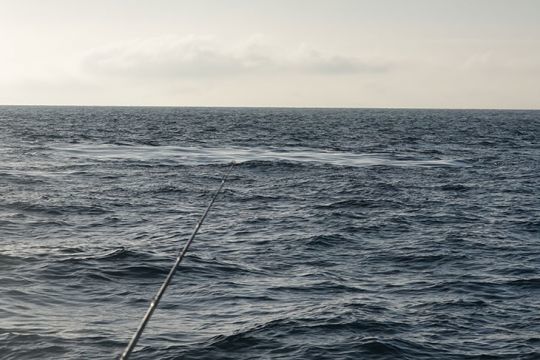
point(276, 107)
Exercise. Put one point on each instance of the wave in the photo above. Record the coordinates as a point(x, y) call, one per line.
point(17, 345)
point(52, 209)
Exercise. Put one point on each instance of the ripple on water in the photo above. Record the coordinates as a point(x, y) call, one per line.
point(341, 233)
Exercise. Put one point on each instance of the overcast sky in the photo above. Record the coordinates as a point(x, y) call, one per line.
point(333, 53)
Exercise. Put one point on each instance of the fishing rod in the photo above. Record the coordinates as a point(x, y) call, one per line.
point(155, 300)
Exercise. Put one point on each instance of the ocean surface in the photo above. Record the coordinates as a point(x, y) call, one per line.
point(340, 233)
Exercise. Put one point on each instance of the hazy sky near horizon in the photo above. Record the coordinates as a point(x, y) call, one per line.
point(336, 53)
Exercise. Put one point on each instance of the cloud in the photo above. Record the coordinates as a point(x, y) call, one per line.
point(175, 57)
point(312, 60)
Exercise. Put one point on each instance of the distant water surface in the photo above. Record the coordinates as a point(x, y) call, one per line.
point(341, 233)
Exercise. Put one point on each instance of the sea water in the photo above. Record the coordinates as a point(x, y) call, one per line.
point(340, 233)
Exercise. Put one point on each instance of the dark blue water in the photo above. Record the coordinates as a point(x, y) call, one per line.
point(341, 234)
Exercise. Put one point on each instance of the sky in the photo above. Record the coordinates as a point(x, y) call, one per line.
point(284, 53)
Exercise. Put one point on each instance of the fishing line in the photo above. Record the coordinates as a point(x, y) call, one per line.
point(155, 300)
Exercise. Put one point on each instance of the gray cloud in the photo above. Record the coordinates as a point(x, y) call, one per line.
point(203, 56)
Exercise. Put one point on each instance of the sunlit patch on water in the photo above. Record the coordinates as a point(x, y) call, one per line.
point(217, 155)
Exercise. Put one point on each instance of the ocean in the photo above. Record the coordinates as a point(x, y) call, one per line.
point(339, 234)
